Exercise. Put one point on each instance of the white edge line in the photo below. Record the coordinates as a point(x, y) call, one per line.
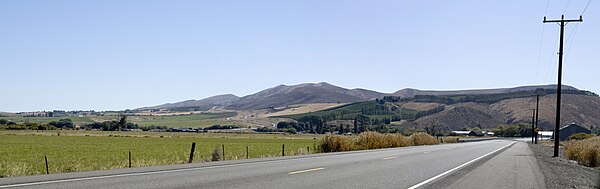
point(166, 171)
point(138, 174)
point(456, 168)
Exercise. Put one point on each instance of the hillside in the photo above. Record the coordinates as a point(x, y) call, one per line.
point(485, 111)
point(284, 95)
point(310, 93)
point(201, 105)
point(408, 92)
point(579, 109)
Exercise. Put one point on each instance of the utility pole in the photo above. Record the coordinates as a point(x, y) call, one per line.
point(532, 126)
point(562, 22)
point(537, 112)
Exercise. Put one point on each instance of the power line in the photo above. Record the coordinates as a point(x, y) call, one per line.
point(572, 37)
point(547, 5)
point(537, 67)
point(567, 6)
point(586, 6)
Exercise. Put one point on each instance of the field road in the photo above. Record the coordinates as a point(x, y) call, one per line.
point(485, 164)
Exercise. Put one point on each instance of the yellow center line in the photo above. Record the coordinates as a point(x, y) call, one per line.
point(386, 158)
point(304, 171)
point(427, 152)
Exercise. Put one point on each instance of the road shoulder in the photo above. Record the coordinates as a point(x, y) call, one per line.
point(560, 173)
point(514, 167)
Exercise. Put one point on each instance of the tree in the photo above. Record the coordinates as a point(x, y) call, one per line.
point(355, 125)
point(3, 121)
point(62, 123)
point(341, 129)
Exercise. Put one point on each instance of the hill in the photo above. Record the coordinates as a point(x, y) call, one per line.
point(284, 95)
point(484, 111)
point(198, 105)
point(310, 93)
point(408, 92)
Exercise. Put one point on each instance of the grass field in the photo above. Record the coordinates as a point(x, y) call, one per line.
point(173, 121)
point(22, 152)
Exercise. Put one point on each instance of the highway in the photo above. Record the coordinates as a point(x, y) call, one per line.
point(485, 164)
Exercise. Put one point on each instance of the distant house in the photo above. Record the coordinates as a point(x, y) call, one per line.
point(545, 134)
point(460, 133)
point(182, 129)
point(571, 129)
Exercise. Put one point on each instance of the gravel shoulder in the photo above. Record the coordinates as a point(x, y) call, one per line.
point(561, 173)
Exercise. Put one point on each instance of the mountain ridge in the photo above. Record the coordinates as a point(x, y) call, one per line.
point(322, 92)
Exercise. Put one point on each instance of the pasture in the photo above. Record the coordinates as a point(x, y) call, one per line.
point(22, 152)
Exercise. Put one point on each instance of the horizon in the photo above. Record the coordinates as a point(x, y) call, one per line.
point(115, 55)
point(133, 108)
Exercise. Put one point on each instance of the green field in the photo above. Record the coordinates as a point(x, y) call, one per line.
point(194, 121)
point(173, 121)
point(22, 152)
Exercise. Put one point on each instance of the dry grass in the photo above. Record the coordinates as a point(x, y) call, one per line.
point(303, 108)
point(422, 139)
point(372, 140)
point(335, 143)
point(449, 139)
point(585, 152)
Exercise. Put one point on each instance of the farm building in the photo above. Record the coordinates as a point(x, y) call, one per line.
point(472, 133)
point(571, 129)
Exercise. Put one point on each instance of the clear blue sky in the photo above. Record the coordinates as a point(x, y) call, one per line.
point(113, 55)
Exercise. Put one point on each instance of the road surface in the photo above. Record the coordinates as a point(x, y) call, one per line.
point(486, 164)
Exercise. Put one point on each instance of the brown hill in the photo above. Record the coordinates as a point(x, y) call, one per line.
point(408, 92)
point(580, 109)
point(284, 95)
point(204, 104)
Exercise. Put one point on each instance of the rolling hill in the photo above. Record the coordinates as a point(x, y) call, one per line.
point(307, 93)
point(195, 105)
point(408, 92)
point(284, 95)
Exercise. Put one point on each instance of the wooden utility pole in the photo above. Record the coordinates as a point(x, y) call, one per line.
point(532, 126)
point(562, 22)
point(537, 113)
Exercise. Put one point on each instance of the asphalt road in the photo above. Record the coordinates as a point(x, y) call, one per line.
point(486, 164)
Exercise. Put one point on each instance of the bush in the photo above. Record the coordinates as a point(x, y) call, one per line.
point(334, 143)
point(216, 155)
point(374, 140)
point(422, 139)
point(396, 140)
point(586, 152)
point(450, 139)
point(581, 136)
point(371, 140)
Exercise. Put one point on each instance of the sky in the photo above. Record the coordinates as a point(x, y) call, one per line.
point(115, 55)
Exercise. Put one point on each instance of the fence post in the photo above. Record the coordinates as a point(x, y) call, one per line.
point(283, 150)
point(192, 152)
point(223, 147)
point(246, 151)
point(129, 158)
point(308, 149)
point(46, 159)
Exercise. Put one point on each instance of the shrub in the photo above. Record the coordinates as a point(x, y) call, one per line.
point(450, 139)
point(586, 152)
point(216, 155)
point(371, 140)
point(396, 140)
point(334, 143)
point(581, 136)
point(422, 139)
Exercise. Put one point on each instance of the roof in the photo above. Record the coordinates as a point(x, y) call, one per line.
point(461, 132)
point(572, 125)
